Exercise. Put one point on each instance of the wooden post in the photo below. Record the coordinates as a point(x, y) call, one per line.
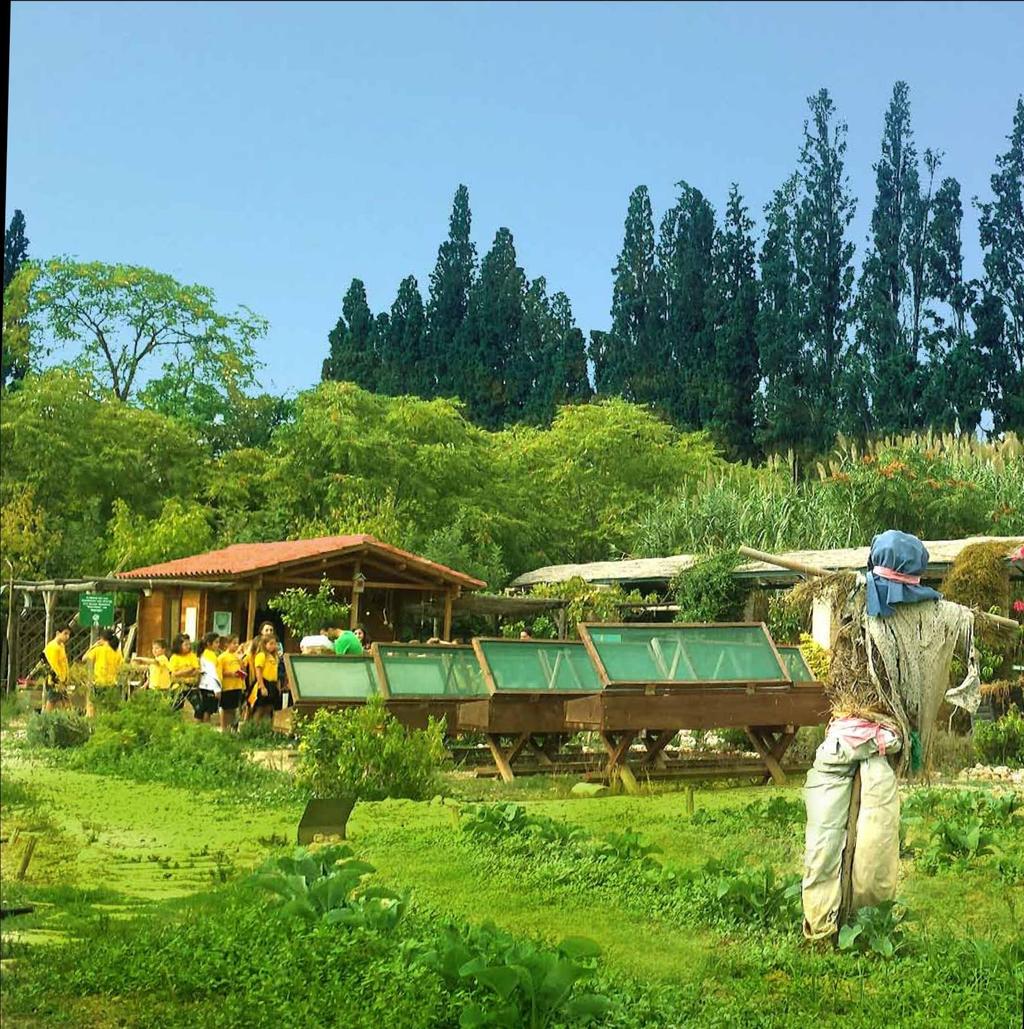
point(447, 615)
point(250, 614)
point(49, 600)
point(560, 623)
point(10, 637)
point(353, 615)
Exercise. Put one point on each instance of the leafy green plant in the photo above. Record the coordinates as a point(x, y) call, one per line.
point(304, 612)
point(1001, 742)
point(627, 847)
point(58, 729)
point(957, 842)
point(707, 591)
point(880, 930)
point(491, 821)
point(328, 886)
point(364, 753)
point(514, 983)
point(554, 832)
point(754, 895)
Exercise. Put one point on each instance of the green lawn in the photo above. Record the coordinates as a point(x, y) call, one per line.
point(124, 866)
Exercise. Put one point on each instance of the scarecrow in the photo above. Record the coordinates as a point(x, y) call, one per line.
point(891, 663)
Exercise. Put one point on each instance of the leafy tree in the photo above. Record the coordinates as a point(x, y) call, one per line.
point(181, 528)
point(571, 370)
point(15, 247)
point(630, 363)
point(16, 350)
point(891, 298)
point(534, 371)
point(824, 269)
point(14, 347)
point(124, 317)
point(450, 284)
point(686, 260)
point(493, 389)
point(404, 364)
point(1001, 224)
point(353, 341)
point(782, 403)
point(954, 389)
point(26, 534)
point(78, 450)
point(732, 318)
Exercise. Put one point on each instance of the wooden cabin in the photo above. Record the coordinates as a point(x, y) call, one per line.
point(388, 588)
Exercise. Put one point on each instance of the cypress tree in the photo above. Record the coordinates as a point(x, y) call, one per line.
point(450, 284)
point(953, 393)
point(533, 373)
point(686, 262)
point(352, 356)
point(572, 378)
point(494, 390)
point(1000, 319)
point(782, 403)
point(631, 363)
point(15, 247)
point(732, 376)
point(403, 365)
point(824, 271)
point(891, 297)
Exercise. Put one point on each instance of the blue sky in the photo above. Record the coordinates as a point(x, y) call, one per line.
point(274, 151)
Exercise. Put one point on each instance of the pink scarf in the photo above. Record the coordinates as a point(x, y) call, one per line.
point(856, 731)
point(894, 576)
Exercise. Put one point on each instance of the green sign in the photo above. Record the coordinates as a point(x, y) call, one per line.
point(96, 610)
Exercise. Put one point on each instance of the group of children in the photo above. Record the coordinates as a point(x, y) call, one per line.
point(219, 676)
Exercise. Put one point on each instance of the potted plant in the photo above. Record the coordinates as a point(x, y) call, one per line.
point(362, 753)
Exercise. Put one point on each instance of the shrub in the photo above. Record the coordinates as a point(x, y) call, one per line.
point(364, 753)
point(61, 729)
point(304, 612)
point(1001, 742)
point(146, 740)
point(708, 592)
point(753, 895)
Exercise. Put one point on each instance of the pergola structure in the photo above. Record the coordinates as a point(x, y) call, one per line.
point(381, 582)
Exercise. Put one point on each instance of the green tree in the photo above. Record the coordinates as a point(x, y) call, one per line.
point(782, 403)
point(732, 319)
point(494, 389)
point(686, 260)
point(181, 528)
point(353, 341)
point(15, 247)
point(1001, 224)
point(450, 284)
point(404, 364)
point(122, 318)
point(891, 295)
point(16, 352)
point(78, 449)
point(629, 363)
point(824, 269)
point(14, 347)
point(955, 386)
point(571, 370)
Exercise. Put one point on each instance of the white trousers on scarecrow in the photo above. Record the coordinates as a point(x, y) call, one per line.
point(877, 852)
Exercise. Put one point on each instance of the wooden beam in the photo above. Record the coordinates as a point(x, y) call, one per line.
point(447, 635)
point(250, 614)
point(347, 584)
point(504, 768)
point(353, 617)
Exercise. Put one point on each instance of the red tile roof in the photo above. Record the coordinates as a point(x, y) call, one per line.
point(242, 559)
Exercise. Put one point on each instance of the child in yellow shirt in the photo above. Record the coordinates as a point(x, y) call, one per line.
point(58, 675)
point(159, 667)
point(265, 695)
point(106, 660)
point(232, 679)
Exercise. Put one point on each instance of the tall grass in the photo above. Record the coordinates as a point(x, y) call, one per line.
point(938, 487)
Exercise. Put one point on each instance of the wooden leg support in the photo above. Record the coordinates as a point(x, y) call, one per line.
point(771, 750)
point(540, 749)
point(655, 744)
point(617, 766)
point(500, 761)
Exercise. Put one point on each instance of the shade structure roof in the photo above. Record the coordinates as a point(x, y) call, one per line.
point(245, 559)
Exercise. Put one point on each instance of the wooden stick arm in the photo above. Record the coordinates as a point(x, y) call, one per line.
point(817, 573)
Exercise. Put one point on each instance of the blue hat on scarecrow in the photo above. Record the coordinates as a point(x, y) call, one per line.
point(895, 565)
